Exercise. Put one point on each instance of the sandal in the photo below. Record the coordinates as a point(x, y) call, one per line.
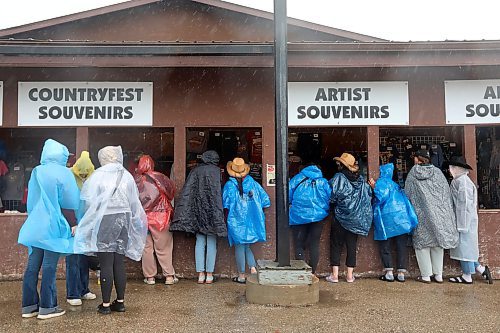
point(330, 279)
point(459, 279)
point(420, 279)
point(201, 279)
point(238, 280)
point(150, 282)
point(210, 279)
point(384, 278)
point(350, 281)
point(171, 280)
point(487, 274)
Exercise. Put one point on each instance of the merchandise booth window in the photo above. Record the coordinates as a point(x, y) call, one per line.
point(20, 151)
point(228, 143)
point(488, 166)
point(153, 141)
point(320, 145)
point(398, 146)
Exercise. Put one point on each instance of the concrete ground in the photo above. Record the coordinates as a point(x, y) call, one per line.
point(368, 305)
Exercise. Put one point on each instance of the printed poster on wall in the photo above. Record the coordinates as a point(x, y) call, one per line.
point(85, 103)
point(472, 101)
point(1, 103)
point(348, 103)
point(271, 174)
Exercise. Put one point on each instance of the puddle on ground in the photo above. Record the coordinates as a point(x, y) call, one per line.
point(331, 299)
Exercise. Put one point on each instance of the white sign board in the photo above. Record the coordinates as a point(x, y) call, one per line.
point(85, 104)
point(271, 174)
point(1, 103)
point(472, 101)
point(348, 103)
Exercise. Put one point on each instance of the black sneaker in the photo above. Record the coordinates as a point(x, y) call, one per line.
point(117, 306)
point(105, 310)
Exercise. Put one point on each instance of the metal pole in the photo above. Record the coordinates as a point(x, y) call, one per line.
point(281, 123)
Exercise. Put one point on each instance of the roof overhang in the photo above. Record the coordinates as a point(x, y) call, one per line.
point(15, 53)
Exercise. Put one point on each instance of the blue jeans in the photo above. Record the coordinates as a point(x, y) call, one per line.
point(210, 243)
point(469, 267)
point(77, 276)
point(241, 251)
point(47, 302)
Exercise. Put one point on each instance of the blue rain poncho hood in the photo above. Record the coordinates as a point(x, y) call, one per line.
point(352, 203)
point(101, 197)
point(51, 188)
point(309, 194)
point(393, 214)
point(246, 222)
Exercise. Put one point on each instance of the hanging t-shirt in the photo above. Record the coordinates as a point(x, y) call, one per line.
point(13, 182)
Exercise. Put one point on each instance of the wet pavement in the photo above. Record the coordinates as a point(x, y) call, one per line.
point(368, 305)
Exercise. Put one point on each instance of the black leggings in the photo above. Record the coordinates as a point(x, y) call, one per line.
point(112, 269)
point(307, 236)
point(339, 236)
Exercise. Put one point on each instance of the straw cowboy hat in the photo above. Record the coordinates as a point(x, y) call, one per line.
point(237, 168)
point(348, 161)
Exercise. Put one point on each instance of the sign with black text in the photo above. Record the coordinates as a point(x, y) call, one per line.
point(85, 103)
point(348, 103)
point(472, 101)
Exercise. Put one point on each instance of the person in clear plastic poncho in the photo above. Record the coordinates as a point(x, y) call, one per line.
point(114, 224)
point(77, 265)
point(464, 196)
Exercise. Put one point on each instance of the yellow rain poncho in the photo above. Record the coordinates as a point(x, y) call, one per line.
point(83, 168)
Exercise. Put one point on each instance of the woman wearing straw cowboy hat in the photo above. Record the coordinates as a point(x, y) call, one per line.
point(245, 200)
point(352, 214)
point(464, 196)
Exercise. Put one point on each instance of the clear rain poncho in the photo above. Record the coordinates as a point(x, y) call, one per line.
point(464, 196)
point(113, 220)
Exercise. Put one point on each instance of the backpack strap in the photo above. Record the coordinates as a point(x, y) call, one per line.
point(296, 187)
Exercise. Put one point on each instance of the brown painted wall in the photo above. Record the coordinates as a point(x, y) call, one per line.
point(236, 97)
point(172, 21)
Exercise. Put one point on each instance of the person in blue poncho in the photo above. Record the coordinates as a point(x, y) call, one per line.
point(394, 219)
point(245, 200)
point(309, 195)
point(53, 198)
point(352, 212)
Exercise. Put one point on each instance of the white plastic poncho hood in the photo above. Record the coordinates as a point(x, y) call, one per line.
point(98, 200)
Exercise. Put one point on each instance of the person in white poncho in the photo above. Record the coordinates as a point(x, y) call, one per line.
point(464, 195)
point(114, 224)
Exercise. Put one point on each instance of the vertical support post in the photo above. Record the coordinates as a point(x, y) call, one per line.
point(281, 123)
point(373, 139)
point(82, 140)
point(470, 150)
point(179, 167)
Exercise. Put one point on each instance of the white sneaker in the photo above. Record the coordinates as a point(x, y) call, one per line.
point(58, 312)
point(74, 302)
point(30, 315)
point(89, 296)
